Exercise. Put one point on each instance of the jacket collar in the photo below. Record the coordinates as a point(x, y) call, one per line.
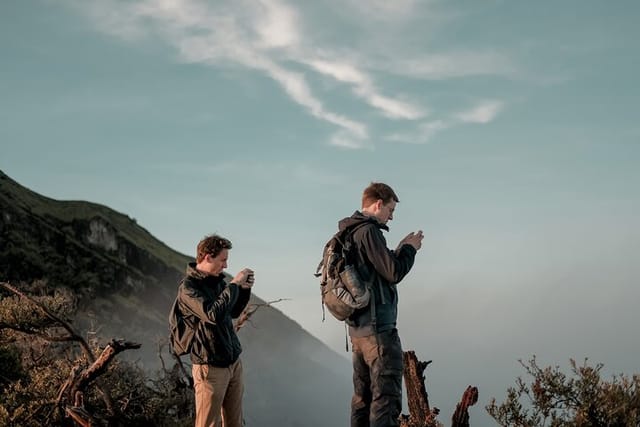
point(358, 218)
point(194, 273)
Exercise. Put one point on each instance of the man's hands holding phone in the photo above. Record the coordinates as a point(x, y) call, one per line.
point(414, 239)
point(245, 278)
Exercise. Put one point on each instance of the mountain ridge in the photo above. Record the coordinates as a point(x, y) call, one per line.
point(126, 279)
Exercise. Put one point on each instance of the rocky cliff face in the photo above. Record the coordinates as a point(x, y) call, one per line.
point(41, 238)
point(126, 279)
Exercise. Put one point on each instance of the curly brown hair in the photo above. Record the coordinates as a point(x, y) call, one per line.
point(211, 245)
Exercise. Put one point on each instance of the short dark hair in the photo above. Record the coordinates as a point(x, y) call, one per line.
point(211, 245)
point(378, 191)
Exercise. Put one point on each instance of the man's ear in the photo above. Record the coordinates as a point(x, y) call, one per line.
point(379, 204)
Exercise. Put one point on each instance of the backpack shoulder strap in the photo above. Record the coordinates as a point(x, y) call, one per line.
point(348, 231)
point(341, 236)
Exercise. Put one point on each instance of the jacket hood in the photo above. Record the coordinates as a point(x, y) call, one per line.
point(193, 272)
point(197, 274)
point(358, 218)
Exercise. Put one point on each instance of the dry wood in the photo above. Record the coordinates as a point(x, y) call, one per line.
point(250, 310)
point(99, 366)
point(420, 415)
point(461, 415)
point(72, 391)
point(80, 416)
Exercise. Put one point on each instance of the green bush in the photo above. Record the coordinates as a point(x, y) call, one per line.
point(35, 364)
point(580, 399)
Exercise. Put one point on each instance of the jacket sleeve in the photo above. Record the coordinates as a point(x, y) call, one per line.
point(207, 310)
point(392, 266)
point(241, 303)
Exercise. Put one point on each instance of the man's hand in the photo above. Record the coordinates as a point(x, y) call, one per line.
point(413, 239)
point(244, 278)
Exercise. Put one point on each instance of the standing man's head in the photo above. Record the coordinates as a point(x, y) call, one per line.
point(212, 254)
point(379, 200)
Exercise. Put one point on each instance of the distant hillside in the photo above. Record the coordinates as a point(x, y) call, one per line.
point(126, 279)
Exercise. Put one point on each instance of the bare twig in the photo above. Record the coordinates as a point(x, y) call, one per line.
point(251, 309)
point(161, 344)
point(183, 370)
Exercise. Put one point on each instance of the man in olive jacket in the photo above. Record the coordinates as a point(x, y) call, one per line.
point(211, 304)
point(377, 352)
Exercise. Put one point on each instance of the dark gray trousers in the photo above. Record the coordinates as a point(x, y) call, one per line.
point(377, 380)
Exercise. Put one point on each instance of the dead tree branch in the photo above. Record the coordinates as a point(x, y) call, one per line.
point(99, 366)
point(251, 309)
point(183, 370)
point(461, 415)
point(114, 346)
point(71, 394)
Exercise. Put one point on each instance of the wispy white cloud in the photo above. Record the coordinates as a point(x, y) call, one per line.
point(277, 24)
point(401, 38)
point(215, 36)
point(364, 88)
point(347, 141)
point(485, 112)
point(340, 71)
point(295, 85)
point(272, 37)
point(424, 133)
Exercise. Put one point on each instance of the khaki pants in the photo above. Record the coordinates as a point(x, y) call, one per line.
point(218, 394)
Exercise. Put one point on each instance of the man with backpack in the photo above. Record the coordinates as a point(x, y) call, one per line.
point(209, 304)
point(377, 352)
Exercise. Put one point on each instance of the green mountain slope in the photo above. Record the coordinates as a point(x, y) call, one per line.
point(125, 280)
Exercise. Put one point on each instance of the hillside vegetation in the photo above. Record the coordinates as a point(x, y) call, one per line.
point(120, 282)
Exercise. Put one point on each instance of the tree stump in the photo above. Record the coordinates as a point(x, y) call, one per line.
point(461, 415)
point(420, 415)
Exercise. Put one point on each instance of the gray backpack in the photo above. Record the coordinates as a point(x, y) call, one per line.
point(341, 288)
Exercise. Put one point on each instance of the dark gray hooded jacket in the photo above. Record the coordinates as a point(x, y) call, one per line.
point(382, 268)
point(212, 304)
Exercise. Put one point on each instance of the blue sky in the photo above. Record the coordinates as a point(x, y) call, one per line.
point(509, 130)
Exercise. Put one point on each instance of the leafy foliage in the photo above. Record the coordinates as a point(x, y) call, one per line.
point(22, 316)
point(582, 398)
point(35, 364)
